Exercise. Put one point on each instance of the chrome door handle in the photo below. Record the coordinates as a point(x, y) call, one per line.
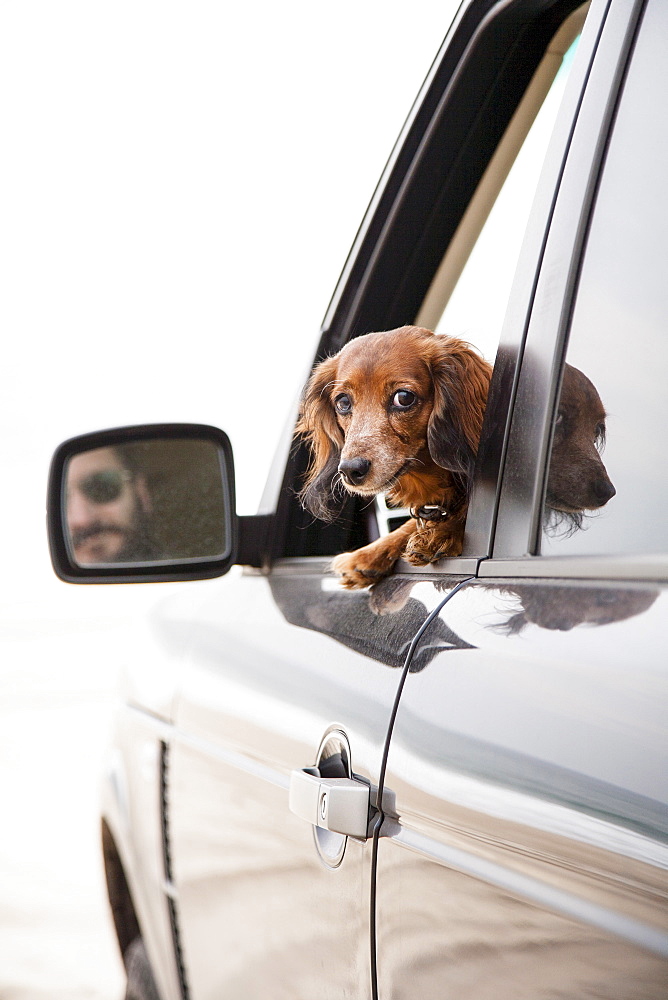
point(337, 804)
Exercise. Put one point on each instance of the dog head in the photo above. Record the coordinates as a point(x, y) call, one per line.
point(578, 480)
point(389, 412)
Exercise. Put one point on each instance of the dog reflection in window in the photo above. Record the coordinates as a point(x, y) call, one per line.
point(577, 480)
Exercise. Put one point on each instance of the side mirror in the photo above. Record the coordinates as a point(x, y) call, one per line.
point(143, 504)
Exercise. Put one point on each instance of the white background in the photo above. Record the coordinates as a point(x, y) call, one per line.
point(180, 185)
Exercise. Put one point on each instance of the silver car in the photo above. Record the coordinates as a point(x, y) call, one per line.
point(452, 784)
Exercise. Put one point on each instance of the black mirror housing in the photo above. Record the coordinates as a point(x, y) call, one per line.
point(143, 504)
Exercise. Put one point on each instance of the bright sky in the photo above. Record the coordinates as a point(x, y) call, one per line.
point(181, 184)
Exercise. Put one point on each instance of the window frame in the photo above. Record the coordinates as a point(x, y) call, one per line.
point(519, 521)
point(378, 290)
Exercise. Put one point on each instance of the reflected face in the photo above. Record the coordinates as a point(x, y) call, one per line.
point(578, 479)
point(105, 503)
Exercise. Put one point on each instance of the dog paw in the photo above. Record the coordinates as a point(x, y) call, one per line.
point(353, 577)
point(431, 544)
point(372, 562)
point(360, 569)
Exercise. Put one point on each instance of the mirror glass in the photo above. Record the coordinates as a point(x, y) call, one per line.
point(146, 502)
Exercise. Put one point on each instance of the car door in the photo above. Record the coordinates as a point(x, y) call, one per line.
point(280, 661)
point(526, 856)
point(282, 674)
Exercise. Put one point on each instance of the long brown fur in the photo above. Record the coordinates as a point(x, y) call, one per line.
point(420, 454)
point(425, 453)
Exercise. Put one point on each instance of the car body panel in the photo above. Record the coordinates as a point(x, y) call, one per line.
point(132, 815)
point(258, 696)
point(534, 761)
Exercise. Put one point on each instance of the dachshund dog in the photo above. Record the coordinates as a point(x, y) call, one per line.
point(577, 480)
point(401, 413)
point(397, 413)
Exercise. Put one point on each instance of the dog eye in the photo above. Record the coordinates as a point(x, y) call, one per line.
point(403, 399)
point(599, 435)
point(343, 403)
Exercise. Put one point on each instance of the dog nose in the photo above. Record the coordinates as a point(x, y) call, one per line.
point(355, 470)
point(603, 490)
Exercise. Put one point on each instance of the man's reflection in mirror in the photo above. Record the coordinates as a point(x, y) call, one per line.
point(108, 508)
point(578, 481)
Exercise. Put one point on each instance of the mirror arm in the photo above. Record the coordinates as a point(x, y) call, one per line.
point(253, 539)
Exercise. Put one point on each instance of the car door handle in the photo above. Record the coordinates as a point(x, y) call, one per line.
point(337, 804)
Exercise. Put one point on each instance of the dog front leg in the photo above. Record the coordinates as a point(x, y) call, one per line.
point(440, 540)
point(369, 564)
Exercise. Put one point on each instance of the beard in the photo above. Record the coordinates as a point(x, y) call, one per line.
point(137, 542)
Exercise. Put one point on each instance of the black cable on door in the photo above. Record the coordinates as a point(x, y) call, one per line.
point(383, 767)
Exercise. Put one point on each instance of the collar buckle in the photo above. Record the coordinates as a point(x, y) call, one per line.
point(429, 512)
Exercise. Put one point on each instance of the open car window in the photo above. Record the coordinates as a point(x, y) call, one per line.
point(469, 293)
point(425, 253)
point(470, 290)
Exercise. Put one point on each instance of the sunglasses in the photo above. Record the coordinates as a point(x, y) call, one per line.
point(105, 486)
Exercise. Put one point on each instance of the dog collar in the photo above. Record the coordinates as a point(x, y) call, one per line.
point(430, 512)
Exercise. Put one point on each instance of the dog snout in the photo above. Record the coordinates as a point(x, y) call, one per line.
point(603, 490)
point(354, 470)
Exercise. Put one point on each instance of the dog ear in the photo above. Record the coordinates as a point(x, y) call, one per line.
point(461, 381)
point(318, 425)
